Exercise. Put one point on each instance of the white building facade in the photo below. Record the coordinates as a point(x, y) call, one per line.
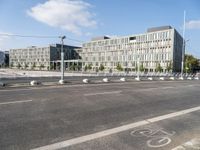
point(40, 58)
point(160, 46)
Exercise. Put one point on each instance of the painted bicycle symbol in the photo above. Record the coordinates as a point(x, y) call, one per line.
point(158, 138)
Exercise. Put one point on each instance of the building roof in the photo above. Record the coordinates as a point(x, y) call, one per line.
point(100, 38)
point(153, 29)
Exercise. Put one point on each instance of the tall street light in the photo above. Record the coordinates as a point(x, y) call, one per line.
point(138, 68)
point(183, 48)
point(62, 60)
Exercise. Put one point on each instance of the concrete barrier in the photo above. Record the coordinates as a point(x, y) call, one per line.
point(105, 80)
point(196, 78)
point(189, 78)
point(61, 81)
point(150, 78)
point(85, 81)
point(137, 79)
point(181, 78)
point(162, 78)
point(172, 78)
point(34, 82)
point(122, 79)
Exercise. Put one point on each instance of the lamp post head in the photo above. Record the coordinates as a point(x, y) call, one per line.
point(62, 37)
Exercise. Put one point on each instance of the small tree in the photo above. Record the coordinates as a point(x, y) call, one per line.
point(90, 66)
point(11, 65)
point(73, 67)
point(34, 65)
point(158, 68)
point(101, 67)
point(141, 68)
point(51, 66)
point(41, 66)
point(119, 67)
point(85, 68)
point(18, 65)
point(169, 67)
point(190, 63)
point(25, 66)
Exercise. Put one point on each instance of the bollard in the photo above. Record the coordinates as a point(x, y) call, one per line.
point(181, 78)
point(85, 81)
point(105, 80)
point(137, 79)
point(34, 82)
point(162, 78)
point(122, 79)
point(61, 81)
point(150, 78)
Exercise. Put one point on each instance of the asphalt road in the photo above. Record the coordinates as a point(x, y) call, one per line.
point(113, 116)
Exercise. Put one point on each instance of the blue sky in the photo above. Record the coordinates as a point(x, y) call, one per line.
point(84, 19)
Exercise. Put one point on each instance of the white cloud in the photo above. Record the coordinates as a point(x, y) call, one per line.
point(193, 24)
point(71, 15)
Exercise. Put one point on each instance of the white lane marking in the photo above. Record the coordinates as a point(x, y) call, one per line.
point(104, 133)
point(168, 87)
point(102, 93)
point(155, 88)
point(15, 102)
point(175, 114)
point(193, 144)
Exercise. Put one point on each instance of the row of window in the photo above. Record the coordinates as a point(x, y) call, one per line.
point(143, 57)
point(160, 35)
point(133, 64)
point(127, 47)
point(30, 60)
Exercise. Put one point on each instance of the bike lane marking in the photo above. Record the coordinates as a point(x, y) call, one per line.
point(82, 139)
point(154, 135)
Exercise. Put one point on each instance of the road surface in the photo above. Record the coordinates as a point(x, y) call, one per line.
point(114, 116)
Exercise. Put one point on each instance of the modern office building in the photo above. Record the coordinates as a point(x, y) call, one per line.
point(6, 58)
point(159, 48)
point(2, 58)
point(41, 58)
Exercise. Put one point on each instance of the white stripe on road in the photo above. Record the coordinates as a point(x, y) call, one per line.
point(154, 88)
point(102, 93)
point(15, 102)
point(104, 133)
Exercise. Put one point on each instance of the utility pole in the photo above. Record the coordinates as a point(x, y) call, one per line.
point(62, 60)
point(138, 68)
point(183, 48)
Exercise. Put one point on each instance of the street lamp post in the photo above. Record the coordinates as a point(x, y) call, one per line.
point(62, 60)
point(183, 48)
point(183, 57)
point(138, 69)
